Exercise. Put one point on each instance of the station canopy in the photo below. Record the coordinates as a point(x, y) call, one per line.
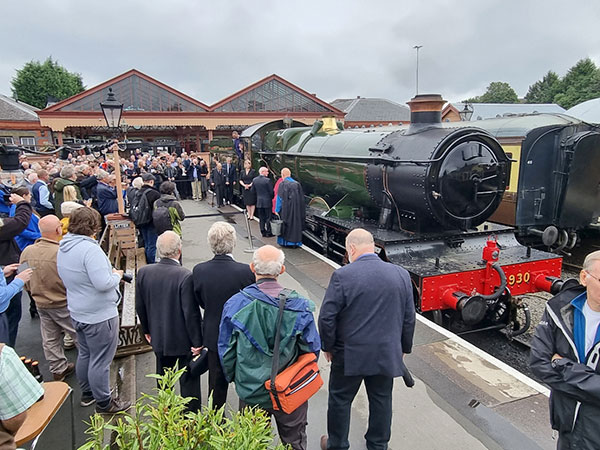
point(273, 94)
point(136, 94)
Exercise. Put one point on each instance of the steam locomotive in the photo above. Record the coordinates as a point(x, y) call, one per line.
point(425, 192)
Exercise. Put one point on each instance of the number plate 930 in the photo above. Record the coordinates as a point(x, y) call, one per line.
point(518, 278)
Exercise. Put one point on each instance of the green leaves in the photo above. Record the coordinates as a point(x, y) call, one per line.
point(36, 81)
point(160, 421)
point(496, 92)
point(581, 83)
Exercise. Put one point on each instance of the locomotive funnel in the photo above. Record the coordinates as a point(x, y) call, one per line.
point(425, 109)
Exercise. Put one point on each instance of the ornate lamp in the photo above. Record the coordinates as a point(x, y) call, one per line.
point(112, 110)
point(466, 113)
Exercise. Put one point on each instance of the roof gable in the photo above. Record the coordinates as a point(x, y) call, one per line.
point(11, 109)
point(373, 110)
point(137, 92)
point(273, 94)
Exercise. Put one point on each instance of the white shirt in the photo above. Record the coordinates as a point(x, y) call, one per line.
point(592, 320)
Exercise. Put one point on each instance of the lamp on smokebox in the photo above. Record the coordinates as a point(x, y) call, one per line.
point(112, 111)
point(466, 113)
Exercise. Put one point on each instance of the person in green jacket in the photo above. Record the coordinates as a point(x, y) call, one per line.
point(247, 337)
point(67, 178)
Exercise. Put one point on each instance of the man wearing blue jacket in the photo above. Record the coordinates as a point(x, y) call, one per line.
point(367, 322)
point(106, 194)
point(247, 336)
point(565, 352)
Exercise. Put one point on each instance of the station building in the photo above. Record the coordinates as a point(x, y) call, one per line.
point(482, 111)
point(371, 112)
point(20, 125)
point(163, 116)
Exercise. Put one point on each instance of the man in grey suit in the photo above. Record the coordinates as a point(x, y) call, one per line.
point(366, 324)
point(264, 200)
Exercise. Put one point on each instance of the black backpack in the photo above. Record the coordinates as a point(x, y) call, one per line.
point(161, 217)
point(140, 211)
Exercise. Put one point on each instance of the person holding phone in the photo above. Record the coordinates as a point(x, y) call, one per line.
point(8, 291)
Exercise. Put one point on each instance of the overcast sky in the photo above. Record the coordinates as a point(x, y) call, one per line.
point(336, 49)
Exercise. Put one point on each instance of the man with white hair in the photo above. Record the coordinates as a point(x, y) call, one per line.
point(169, 314)
point(264, 200)
point(565, 354)
point(247, 336)
point(106, 194)
point(41, 194)
point(215, 281)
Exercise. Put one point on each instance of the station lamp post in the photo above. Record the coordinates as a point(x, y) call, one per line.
point(112, 111)
point(466, 113)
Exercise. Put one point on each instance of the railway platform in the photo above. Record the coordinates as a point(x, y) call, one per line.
point(462, 399)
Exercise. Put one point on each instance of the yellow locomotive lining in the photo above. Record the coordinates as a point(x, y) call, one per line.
point(515, 151)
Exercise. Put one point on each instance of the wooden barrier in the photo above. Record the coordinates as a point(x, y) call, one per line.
point(119, 242)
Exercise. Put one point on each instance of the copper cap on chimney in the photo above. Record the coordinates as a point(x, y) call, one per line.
point(426, 109)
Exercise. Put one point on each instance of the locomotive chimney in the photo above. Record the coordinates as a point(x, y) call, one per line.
point(425, 111)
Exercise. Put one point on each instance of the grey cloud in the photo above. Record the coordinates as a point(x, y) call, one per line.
point(210, 49)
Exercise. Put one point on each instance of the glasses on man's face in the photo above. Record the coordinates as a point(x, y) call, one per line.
point(595, 278)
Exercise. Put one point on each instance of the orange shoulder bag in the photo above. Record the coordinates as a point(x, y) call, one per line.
point(298, 382)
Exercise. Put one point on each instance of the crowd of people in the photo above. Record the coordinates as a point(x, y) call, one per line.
point(222, 306)
point(49, 230)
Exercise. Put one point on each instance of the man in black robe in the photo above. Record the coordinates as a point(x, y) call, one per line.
point(291, 209)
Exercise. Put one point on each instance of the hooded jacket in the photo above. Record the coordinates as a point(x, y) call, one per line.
point(574, 384)
point(58, 186)
point(247, 338)
point(92, 287)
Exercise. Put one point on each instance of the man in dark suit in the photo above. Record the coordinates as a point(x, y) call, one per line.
point(215, 281)
point(366, 323)
point(169, 314)
point(264, 200)
point(230, 178)
point(217, 182)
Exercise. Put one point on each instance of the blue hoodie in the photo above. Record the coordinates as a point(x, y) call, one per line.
point(92, 287)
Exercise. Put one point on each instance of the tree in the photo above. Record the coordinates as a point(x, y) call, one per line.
point(581, 83)
point(36, 81)
point(496, 92)
point(544, 90)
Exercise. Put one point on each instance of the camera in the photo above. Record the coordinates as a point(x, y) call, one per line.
point(127, 277)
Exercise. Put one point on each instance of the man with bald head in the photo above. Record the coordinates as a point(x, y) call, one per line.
point(263, 188)
point(247, 336)
point(50, 296)
point(169, 315)
point(565, 355)
point(366, 322)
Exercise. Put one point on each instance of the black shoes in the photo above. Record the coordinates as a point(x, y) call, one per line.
point(87, 399)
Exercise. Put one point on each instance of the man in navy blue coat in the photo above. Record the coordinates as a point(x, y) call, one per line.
point(107, 195)
point(366, 323)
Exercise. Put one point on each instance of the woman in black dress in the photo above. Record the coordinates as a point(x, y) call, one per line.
point(246, 176)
